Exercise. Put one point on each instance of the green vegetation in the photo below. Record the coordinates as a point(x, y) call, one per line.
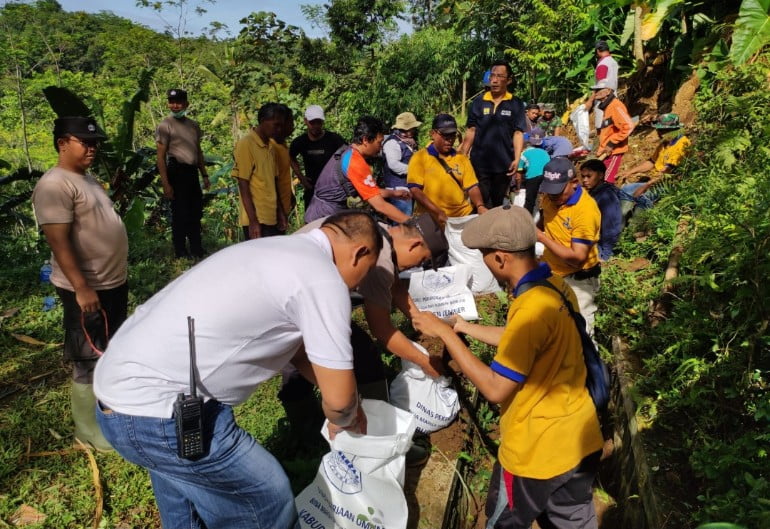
point(702, 386)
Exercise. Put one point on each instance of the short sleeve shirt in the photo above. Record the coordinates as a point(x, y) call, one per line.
point(182, 138)
point(670, 154)
point(316, 153)
point(255, 163)
point(579, 220)
point(253, 307)
point(97, 233)
point(359, 173)
point(447, 192)
point(550, 424)
point(533, 160)
point(495, 125)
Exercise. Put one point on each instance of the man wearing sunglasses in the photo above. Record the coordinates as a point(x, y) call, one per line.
point(442, 180)
point(89, 259)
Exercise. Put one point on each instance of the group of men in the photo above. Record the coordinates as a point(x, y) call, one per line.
point(257, 310)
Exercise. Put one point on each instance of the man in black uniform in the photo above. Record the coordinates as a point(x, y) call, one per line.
point(179, 160)
point(495, 135)
point(316, 146)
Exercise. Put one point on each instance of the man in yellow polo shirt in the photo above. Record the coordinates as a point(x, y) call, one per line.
point(570, 224)
point(261, 212)
point(441, 180)
point(550, 440)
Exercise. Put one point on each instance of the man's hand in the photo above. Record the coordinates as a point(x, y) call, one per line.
point(541, 236)
point(357, 426)
point(206, 182)
point(283, 222)
point(429, 324)
point(255, 232)
point(87, 299)
point(433, 366)
point(513, 168)
point(168, 191)
point(396, 193)
point(481, 209)
point(602, 153)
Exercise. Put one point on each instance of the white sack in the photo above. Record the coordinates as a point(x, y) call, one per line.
point(579, 118)
point(360, 482)
point(444, 292)
point(432, 401)
point(482, 280)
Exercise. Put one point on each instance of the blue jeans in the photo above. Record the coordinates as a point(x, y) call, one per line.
point(238, 484)
point(644, 201)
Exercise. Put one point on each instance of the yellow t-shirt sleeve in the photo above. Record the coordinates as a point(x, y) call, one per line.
point(244, 165)
point(415, 173)
point(520, 344)
point(587, 224)
point(469, 175)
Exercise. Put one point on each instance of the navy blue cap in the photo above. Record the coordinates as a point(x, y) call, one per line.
point(556, 174)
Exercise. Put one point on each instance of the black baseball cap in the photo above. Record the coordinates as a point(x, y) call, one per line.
point(602, 45)
point(84, 128)
point(434, 239)
point(176, 94)
point(556, 174)
point(445, 123)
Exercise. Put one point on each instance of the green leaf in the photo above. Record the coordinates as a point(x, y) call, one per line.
point(628, 29)
point(752, 30)
point(652, 22)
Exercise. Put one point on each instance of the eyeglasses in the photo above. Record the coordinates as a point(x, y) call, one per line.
point(448, 136)
point(87, 144)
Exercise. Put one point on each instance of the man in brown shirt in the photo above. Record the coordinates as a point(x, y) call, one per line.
point(179, 159)
point(89, 258)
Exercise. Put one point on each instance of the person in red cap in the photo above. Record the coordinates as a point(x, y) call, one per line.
point(180, 158)
point(89, 249)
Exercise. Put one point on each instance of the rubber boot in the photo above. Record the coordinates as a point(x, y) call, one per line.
point(83, 413)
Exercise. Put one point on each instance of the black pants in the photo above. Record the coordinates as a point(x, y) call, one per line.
point(367, 366)
point(532, 187)
point(186, 209)
point(494, 187)
point(114, 301)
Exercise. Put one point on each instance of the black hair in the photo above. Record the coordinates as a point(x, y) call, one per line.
point(594, 165)
point(271, 111)
point(502, 62)
point(367, 128)
point(356, 225)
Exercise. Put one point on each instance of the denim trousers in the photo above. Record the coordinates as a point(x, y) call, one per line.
point(237, 484)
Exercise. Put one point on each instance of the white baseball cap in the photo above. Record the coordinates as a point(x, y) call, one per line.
point(314, 112)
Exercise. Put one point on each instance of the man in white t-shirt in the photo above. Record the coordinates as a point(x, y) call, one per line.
point(255, 310)
point(607, 71)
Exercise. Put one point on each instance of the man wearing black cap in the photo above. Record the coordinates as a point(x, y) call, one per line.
point(179, 159)
point(89, 258)
point(550, 441)
point(442, 180)
point(569, 228)
point(495, 135)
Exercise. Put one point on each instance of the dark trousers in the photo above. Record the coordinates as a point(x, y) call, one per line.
point(265, 230)
point(186, 209)
point(532, 187)
point(494, 187)
point(114, 301)
point(562, 502)
point(307, 196)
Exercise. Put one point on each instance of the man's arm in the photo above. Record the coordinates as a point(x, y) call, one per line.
point(642, 167)
point(518, 147)
point(299, 174)
point(494, 387)
point(58, 237)
point(474, 193)
point(202, 167)
point(387, 209)
point(396, 342)
point(574, 255)
point(435, 211)
point(465, 146)
point(248, 205)
point(339, 400)
point(488, 334)
point(168, 191)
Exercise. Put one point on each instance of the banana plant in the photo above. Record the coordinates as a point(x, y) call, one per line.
point(752, 30)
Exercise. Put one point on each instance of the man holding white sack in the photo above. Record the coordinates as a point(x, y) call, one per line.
point(550, 437)
point(254, 309)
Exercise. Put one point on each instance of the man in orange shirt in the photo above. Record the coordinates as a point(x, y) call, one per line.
point(615, 130)
point(347, 174)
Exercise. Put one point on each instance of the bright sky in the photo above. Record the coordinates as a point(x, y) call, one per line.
point(226, 11)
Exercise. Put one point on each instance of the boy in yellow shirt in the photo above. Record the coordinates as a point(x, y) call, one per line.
point(550, 437)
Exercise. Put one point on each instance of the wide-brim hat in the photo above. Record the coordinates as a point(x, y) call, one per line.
point(667, 122)
point(508, 228)
point(406, 121)
point(84, 128)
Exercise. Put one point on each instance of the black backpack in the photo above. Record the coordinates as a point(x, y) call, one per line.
point(597, 373)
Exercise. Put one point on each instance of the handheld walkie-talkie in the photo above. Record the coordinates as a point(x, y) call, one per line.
point(188, 411)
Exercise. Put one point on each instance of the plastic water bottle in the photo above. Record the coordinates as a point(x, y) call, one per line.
point(45, 278)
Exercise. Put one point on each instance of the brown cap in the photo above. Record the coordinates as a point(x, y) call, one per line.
point(434, 239)
point(507, 228)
